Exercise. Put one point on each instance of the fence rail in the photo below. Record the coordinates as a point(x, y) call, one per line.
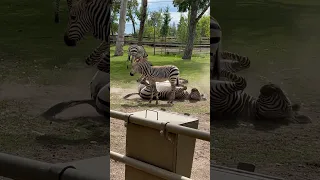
point(20, 168)
point(159, 125)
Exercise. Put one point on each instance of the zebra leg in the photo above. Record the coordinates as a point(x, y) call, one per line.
point(152, 91)
point(172, 93)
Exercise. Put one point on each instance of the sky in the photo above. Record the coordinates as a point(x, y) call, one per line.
point(154, 5)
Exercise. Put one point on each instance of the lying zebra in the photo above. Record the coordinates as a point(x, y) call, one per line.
point(154, 74)
point(228, 101)
point(164, 91)
point(233, 62)
point(100, 97)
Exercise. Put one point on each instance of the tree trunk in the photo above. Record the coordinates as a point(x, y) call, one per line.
point(142, 20)
point(133, 24)
point(122, 23)
point(191, 31)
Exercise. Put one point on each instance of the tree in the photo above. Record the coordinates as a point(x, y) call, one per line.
point(114, 16)
point(196, 9)
point(132, 9)
point(173, 30)
point(166, 20)
point(182, 29)
point(143, 18)
point(122, 24)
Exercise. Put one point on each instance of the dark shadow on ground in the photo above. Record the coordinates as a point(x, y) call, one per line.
point(260, 125)
point(99, 127)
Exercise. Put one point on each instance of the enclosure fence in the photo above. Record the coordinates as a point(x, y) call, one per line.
point(170, 46)
point(20, 168)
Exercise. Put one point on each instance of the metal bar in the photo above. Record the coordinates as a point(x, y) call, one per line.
point(158, 125)
point(253, 175)
point(148, 168)
point(20, 168)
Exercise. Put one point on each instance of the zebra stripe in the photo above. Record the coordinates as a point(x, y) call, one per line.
point(136, 51)
point(90, 16)
point(100, 92)
point(57, 9)
point(229, 101)
point(242, 62)
point(215, 43)
point(156, 74)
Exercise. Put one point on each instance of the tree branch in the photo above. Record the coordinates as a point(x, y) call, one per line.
point(203, 11)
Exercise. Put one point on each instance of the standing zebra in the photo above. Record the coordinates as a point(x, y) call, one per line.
point(155, 74)
point(90, 16)
point(215, 43)
point(228, 101)
point(56, 12)
point(136, 51)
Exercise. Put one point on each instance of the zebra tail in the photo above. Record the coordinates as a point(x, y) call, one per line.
point(128, 95)
point(64, 105)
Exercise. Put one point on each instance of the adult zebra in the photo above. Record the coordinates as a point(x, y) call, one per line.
point(233, 62)
point(57, 10)
point(136, 51)
point(228, 101)
point(215, 43)
point(155, 74)
point(91, 16)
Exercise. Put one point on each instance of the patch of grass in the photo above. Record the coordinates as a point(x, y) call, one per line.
point(193, 69)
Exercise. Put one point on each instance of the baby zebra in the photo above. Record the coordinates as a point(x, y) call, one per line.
point(155, 74)
point(164, 91)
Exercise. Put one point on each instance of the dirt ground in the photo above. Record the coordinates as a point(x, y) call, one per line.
point(81, 133)
point(201, 161)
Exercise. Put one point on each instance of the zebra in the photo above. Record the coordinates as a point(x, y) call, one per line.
point(90, 16)
point(227, 100)
point(100, 97)
point(136, 51)
point(233, 62)
point(215, 43)
point(164, 91)
point(56, 12)
point(155, 74)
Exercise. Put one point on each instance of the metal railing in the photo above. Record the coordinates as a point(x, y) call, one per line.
point(159, 125)
point(20, 168)
point(151, 169)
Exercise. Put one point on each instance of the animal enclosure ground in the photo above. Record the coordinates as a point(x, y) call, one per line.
point(37, 70)
point(195, 71)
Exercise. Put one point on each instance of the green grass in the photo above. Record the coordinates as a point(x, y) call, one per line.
point(193, 70)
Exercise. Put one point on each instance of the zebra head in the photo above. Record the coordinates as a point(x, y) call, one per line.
point(274, 103)
point(79, 22)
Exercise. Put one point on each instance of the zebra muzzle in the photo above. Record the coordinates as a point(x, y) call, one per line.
point(69, 42)
point(131, 74)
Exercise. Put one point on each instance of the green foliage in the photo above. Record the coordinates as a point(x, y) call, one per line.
point(173, 30)
point(203, 28)
point(184, 5)
point(182, 31)
point(166, 20)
